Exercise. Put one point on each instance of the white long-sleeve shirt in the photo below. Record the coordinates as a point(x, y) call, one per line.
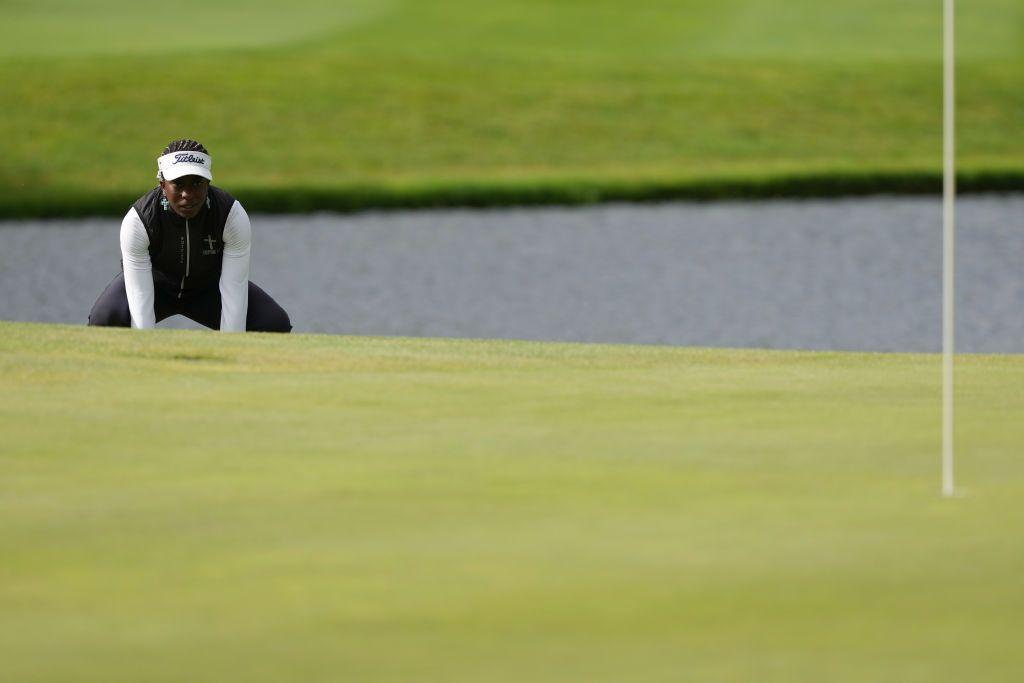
point(234, 275)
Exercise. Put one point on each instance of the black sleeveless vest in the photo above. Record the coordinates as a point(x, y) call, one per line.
point(186, 253)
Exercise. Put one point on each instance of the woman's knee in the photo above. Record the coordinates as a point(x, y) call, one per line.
point(110, 316)
point(111, 309)
point(270, 319)
point(265, 314)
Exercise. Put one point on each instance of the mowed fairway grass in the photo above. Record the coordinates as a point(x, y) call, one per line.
point(326, 104)
point(189, 506)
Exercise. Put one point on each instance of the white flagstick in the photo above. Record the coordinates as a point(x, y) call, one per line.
point(948, 261)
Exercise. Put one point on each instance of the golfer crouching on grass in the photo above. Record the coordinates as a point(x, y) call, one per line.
point(185, 250)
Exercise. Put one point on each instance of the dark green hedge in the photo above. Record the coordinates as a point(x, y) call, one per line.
point(526, 193)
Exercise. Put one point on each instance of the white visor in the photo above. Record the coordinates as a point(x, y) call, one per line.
point(178, 164)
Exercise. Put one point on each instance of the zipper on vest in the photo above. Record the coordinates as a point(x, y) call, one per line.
point(188, 250)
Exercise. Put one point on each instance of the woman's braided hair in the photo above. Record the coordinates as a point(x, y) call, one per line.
point(184, 145)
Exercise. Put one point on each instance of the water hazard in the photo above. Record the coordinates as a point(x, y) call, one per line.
point(855, 274)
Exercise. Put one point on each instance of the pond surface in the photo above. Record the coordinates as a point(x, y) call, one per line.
point(852, 274)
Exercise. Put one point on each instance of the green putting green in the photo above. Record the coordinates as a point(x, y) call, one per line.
point(203, 507)
point(341, 105)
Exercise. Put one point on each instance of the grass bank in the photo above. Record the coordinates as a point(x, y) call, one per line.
point(188, 505)
point(398, 103)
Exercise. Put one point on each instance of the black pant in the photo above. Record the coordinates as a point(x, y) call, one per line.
point(264, 314)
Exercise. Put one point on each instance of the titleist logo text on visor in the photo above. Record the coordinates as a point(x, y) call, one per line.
point(190, 158)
